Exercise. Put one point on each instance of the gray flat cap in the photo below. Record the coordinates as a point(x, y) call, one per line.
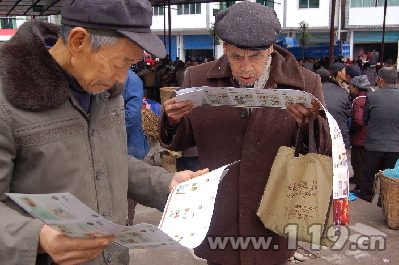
point(131, 18)
point(336, 67)
point(353, 70)
point(248, 25)
point(323, 72)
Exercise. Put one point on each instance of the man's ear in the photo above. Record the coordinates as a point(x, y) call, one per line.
point(271, 49)
point(224, 47)
point(78, 39)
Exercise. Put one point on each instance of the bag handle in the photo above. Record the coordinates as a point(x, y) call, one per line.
point(312, 141)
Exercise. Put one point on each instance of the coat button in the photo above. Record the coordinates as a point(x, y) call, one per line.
point(109, 259)
point(98, 175)
point(243, 114)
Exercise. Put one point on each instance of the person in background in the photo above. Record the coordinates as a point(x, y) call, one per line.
point(337, 102)
point(137, 144)
point(308, 64)
point(352, 71)
point(339, 75)
point(357, 131)
point(62, 124)
point(226, 134)
point(371, 73)
point(381, 115)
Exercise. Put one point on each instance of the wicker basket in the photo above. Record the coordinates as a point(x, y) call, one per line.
point(168, 161)
point(390, 199)
point(166, 92)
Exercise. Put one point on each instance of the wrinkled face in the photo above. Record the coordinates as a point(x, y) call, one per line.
point(100, 70)
point(246, 66)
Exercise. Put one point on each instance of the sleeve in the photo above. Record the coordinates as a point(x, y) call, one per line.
point(366, 112)
point(357, 117)
point(348, 109)
point(19, 234)
point(133, 97)
point(148, 185)
point(322, 131)
point(181, 137)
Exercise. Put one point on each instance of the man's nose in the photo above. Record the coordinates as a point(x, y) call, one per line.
point(246, 64)
point(120, 76)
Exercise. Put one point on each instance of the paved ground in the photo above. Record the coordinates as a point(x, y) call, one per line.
point(357, 245)
point(366, 220)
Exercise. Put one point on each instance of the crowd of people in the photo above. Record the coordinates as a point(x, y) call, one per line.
point(362, 101)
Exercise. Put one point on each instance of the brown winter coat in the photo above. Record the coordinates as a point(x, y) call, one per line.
point(226, 134)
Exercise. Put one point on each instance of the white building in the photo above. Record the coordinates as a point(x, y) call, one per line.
point(358, 22)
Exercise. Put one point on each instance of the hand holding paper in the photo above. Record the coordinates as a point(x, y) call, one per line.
point(70, 250)
point(175, 111)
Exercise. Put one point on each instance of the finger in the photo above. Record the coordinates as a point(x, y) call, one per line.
point(170, 101)
point(177, 105)
point(72, 244)
point(199, 172)
point(297, 118)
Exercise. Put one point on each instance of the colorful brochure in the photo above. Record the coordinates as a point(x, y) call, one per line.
point(277, 98)
point(185, 221)
point(243, 97)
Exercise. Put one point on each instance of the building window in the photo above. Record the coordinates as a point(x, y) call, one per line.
point(224, 5)
point(8, 23)
point(269, 3)
point(158, 10)
point(308, 3)
point(189, 9)
point(373, 3)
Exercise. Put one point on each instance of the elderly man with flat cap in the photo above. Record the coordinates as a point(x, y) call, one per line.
point(63, 128)
point(226, 134)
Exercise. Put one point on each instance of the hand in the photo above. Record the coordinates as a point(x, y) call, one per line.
point(185, 175)
point(176, 110)
point(70, 251)
point(298, 111)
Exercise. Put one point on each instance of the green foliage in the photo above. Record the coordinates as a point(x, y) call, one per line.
point(216, 38)
point(304, 39)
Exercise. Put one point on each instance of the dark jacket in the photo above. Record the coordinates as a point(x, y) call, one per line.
point(48, 144)
point(357, 130)
point(381, 115)
point(226, 134)
point(338, 104)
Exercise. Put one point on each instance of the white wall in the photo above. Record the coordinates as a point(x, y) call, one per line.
point(373, 16)
point(196, 21)
point(315, 17)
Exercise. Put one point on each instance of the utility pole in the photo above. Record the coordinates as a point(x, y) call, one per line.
point(383, 35)
point(170, 29)
point(331, 58)
point(304, 26)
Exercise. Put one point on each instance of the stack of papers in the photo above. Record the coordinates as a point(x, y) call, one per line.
point(243, 97)
point(185, 221)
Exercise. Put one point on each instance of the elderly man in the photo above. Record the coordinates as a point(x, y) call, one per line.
point(63, 128)
point(226, 134)
point(381, 115)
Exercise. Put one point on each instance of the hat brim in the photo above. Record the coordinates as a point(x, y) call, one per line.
point(147, 41)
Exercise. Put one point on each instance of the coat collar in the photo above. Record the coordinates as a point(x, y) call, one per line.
point(284, 71)
point(31, 78)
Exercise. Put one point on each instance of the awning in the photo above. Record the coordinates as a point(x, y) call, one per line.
point(53, 7)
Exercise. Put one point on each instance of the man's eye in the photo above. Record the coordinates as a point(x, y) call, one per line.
point(256, 57)
point(237, 58)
